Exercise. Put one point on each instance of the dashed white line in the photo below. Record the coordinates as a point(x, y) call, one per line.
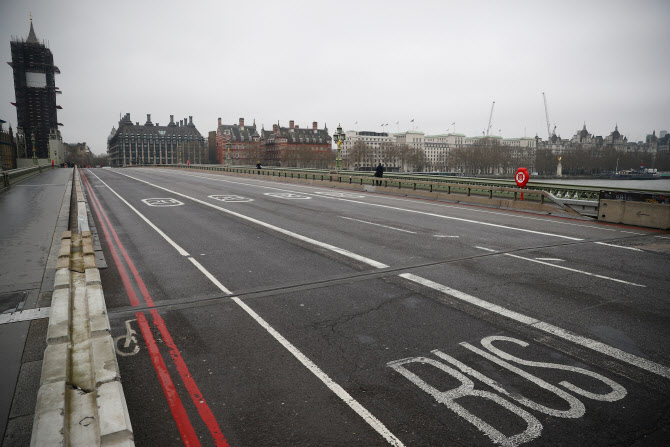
point(378, 225)
point(486, 249)
point(618, 246)
point(550, 259)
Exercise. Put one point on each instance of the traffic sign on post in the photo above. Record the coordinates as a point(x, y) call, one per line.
point(521, 178)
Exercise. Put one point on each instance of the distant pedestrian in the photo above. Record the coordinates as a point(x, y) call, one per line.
point(379, 173)
point(258, 166)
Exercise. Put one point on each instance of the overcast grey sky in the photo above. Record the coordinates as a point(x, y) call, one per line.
point(371, 62)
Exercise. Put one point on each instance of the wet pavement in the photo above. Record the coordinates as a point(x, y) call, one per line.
point(33, 214)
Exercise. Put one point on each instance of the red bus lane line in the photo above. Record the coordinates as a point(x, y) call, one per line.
point(179, 415)
point(184, 425)
point(140, 283)
point(198, 400)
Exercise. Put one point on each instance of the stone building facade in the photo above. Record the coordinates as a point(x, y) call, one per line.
point(135, 144)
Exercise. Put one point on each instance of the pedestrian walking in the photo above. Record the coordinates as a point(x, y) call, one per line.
point(379, 173)
point(258, 165)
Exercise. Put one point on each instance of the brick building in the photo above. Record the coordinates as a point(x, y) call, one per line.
point(245, 146)
point(293, 146)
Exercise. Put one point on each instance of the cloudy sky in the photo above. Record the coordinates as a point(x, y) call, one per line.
point(364, 62)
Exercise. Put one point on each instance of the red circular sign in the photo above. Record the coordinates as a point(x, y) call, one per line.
point(521, 177)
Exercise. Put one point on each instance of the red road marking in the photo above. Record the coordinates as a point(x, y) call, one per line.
point(183, 423)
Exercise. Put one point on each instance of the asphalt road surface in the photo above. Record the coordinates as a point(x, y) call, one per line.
point(256, 313)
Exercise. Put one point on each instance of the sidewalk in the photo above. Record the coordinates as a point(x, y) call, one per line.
point(33, 215)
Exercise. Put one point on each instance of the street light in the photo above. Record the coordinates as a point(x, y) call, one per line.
point(228, 161)
point(339, 139)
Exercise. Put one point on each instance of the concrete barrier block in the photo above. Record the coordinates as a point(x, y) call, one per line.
point(93, 277)
point(49, 425)
point(55, 366)
point(105, 366)
point(65, 246)
point(89, 261)
point(83, 418)
point(86, 234)
point(114, 418)
point(62, 280)
point(63, 262)
point(97, 311)
point(59, 320)
point(66, 235)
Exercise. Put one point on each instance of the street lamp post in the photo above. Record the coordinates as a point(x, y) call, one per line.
point(228, 160)
point(339, 139)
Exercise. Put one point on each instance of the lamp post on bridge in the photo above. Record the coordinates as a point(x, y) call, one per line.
point(228, 160)
point(339, 139)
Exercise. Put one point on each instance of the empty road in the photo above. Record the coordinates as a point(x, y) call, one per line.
point(249, 312)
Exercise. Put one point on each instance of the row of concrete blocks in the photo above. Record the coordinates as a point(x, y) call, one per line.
point(80, 400)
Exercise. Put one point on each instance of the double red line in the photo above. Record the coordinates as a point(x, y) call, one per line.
point(182, 420)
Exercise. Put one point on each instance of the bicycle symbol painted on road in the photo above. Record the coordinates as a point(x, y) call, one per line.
point(129, 339)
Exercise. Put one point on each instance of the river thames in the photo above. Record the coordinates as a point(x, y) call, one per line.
point(647, 185)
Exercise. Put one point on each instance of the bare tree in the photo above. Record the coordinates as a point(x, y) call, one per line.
point(359, 154)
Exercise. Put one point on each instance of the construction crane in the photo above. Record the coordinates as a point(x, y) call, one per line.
point(488, 129)
point(546, 112)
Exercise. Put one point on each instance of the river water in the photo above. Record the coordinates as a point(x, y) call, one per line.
point(647, 185)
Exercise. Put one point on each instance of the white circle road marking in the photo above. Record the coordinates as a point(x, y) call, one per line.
point(165, 201)
point(287, 195)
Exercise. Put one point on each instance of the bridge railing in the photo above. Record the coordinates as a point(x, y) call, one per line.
point(8, 177)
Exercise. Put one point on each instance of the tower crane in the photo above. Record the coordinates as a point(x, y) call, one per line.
point(488, 129)
point(546, 112)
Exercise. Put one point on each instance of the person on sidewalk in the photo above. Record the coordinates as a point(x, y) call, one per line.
point(379, 173)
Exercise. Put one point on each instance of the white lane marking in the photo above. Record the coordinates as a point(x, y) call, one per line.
point(230, 198)
point(632, 232)
point(398, 199)
point(300, 237)
point(425, 213)
point(486, 249)
point(162, 202)
point(618, 246)
point(443, 235)
point(158, 230)
point(594, 345)
point(663, 237)
point(574, 270)
point(210, 277)
point(287, 195)
point(551, 259)
point(334, 387)
point(540, 261)
point(378, 225)
point(311, 366)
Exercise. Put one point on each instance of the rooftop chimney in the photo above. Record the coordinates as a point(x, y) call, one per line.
point(171, 119)
point(219, 121)
point(290, 124)
point(148, 123)
point(314, 125)
point(181, 123)
point(242, 122)
point(275, 128)
point(190, 120)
